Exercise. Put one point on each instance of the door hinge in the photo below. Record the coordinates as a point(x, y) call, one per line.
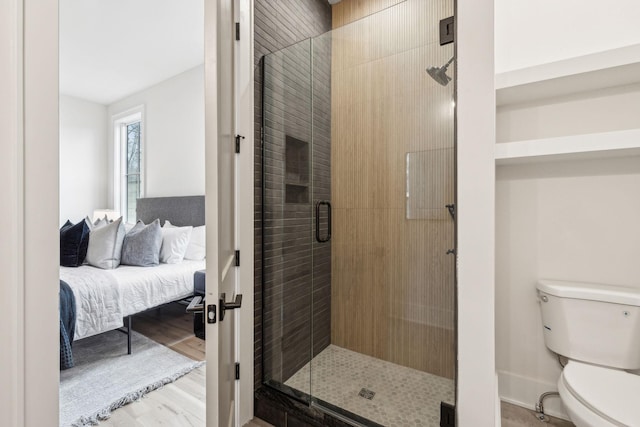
point(237, 31)
point(237, 258)
point(238, 138)
point(237, 371)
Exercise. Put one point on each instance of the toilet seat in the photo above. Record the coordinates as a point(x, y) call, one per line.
point(597, 393)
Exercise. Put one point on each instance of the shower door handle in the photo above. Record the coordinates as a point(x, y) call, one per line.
point(328, 236)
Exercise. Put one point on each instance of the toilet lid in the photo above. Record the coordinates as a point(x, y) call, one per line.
point(608, 392)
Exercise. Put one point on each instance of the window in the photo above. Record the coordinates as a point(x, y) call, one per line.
point(128, 170)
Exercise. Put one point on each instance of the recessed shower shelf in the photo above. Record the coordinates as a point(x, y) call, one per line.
point(595, 145)
point(615, 67)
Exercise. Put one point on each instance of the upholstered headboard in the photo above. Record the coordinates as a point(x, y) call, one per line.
point(181, 211)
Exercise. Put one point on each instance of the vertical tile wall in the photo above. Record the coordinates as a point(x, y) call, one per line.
point(278, 24)
point(392, 150)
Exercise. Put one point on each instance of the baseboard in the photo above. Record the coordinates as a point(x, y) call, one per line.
point(498, 418)
point(524, 391)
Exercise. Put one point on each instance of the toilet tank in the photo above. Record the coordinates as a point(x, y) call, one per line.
point(592, 323)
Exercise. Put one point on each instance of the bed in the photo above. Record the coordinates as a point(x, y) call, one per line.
point(106, 299)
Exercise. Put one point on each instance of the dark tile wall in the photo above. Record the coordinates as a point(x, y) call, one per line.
point(288, 255)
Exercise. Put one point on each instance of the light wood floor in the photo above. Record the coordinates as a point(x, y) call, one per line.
point(172, 327)
point(516, 416)
point(179, 404)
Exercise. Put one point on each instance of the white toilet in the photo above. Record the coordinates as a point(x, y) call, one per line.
point(597, 327)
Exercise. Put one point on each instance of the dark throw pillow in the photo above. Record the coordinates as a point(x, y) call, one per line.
point(74, 241)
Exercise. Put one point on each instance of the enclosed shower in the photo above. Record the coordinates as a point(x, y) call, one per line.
point(357, 222)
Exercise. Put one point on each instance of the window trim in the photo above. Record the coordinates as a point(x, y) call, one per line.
point(119, 122)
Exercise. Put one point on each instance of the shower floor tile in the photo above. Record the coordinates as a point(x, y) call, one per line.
point(403, 396)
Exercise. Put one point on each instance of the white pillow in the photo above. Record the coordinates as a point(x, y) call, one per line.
point(174, 243)
point(101, 222)
point(105, 245)
point(197, 249)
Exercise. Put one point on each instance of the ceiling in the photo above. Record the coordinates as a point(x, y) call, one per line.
point(112, 48)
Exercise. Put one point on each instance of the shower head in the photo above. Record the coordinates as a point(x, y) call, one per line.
point(439, 74)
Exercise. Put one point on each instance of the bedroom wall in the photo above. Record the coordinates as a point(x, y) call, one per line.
point(174, 140)
point(83, 153)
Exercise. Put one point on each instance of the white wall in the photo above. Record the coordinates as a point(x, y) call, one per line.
point(174, 135)
point(536, 32)
point(568, 220)
point(83, 158)
point(589, 112)
point(475, 121)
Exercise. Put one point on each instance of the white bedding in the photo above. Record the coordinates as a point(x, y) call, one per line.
point(104, 297)
point(98, 299)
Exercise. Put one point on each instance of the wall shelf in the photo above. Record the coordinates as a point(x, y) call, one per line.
point(611, 68)
point(595, 145)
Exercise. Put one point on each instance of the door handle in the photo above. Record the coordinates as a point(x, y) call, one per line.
point(328, 205)
point(237, 303)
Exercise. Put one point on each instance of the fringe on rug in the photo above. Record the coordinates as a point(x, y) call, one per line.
point(105, 413)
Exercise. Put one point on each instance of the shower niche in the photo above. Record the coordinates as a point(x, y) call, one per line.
point(296, 170)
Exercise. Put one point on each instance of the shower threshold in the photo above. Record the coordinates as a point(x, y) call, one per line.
point(380, 391)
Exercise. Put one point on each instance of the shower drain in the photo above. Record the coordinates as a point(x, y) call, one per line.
point(367, 394)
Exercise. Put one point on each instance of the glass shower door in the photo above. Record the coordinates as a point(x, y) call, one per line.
point(383, 286)
point(287, 216)
point(358, 218)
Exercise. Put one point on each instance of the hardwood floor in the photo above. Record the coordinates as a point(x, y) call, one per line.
point(181, 403)
point(172, 327)
point(517, 416)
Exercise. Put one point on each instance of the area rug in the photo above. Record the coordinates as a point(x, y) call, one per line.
point(105, 377)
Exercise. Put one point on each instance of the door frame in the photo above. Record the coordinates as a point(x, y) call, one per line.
point(244, 197)
point(29, 190)
point(29, 169)
point(29, 134)
point(245, 183)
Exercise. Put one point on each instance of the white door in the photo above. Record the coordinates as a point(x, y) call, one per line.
point(220, 206)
